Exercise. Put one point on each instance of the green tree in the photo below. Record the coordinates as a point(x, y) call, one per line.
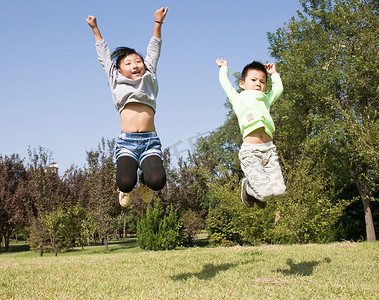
point(83, 224)
point(311, 209)
point(328, 59)
point(62, 226)
point(102, 190)
point(46, 194)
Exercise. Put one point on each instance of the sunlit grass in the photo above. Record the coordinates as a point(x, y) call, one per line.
point(340, 270)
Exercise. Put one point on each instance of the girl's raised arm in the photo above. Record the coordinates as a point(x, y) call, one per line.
point(159, 15)
point(91, 20)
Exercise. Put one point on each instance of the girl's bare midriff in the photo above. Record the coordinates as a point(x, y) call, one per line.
point(137, 117)
point(258, 136)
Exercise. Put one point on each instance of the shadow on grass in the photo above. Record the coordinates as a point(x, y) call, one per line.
point(209, 271)
point(113, 246)
point(202, 243)
point(15, 248)
point(304, 268)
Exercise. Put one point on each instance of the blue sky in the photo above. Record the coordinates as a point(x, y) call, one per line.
point(54, 93)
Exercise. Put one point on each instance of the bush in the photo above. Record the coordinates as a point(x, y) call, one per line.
point(230, 222)
point(308, 214)
point(156, 231)
point(222, 230)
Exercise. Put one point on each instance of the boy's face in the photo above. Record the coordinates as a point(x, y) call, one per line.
point(255, 80)
point(132, 66)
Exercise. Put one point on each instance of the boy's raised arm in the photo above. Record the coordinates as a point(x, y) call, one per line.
point(91, 20)
point(159, 15)
point(224, 80)
point(271, 68)
point(221, 62)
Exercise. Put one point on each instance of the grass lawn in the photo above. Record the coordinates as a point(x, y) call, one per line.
point(332, 271)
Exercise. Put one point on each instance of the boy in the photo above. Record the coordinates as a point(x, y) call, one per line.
point(134, 88)
point(259, 161)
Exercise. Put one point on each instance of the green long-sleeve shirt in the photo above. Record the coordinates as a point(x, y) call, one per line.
point(252, 107)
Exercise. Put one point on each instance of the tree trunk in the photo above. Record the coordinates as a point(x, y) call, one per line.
point(370, 230)
point(364, 192)
point(7, 235)
point(6, 242)
point(124, 232)
point(6, 238)
point(52, 239)
point(41, 249)
point(106, 242)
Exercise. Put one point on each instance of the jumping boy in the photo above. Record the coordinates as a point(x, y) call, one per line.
point(133, 83)
point(259, 160)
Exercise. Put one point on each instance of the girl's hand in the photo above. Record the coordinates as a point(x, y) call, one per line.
point(160, 14)
point(91, 20)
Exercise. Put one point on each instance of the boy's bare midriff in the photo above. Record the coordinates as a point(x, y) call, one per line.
point(258, 136)
point(137, 117)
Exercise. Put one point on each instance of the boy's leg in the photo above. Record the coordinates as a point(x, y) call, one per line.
point(259, 185)
point(274, 174)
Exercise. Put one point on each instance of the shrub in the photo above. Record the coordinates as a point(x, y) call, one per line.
point(307, 214)
point(222, 230)
point(156, 231)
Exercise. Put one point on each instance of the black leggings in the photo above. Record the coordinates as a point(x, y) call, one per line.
point(153, 173)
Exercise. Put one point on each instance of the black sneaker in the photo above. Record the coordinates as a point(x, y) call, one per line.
point(249, 200)
point(260, 204)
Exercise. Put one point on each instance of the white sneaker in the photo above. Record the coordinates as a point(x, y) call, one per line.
point(125, 198)
point(145, 192)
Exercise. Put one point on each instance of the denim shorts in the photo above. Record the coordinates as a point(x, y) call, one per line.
point(138, 145)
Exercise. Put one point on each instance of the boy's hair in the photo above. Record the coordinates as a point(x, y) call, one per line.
point(121, 52)
point(255, 65)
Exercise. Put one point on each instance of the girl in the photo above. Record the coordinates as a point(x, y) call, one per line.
point(133, 83)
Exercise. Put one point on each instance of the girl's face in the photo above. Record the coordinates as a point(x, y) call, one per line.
point(255, 80)
point(132, 66)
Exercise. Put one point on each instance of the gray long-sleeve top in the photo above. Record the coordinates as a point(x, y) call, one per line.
point(124, 90)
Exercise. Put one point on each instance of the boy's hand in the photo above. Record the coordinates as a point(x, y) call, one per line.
point(160, 14)
point(91, 20)
point(220, 62)
point(271, 68)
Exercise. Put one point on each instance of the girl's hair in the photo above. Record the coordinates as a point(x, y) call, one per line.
point(255, 65)
point(121, 52)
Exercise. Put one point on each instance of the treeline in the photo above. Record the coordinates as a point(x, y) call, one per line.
point(327, 137)
point(81, 206)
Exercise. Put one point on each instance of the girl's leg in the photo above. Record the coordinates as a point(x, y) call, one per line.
point(126, 173)
point(153, 172)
